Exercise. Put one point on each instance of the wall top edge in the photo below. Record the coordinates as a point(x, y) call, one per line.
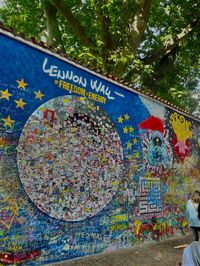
point(39, 45)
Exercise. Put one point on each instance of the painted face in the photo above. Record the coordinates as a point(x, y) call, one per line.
point(157, 152)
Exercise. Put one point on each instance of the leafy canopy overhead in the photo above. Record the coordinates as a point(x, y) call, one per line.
point(152, 44)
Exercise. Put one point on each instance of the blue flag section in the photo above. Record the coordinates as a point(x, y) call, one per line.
point(87, 165)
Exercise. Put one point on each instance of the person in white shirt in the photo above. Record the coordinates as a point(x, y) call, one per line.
point(192, 214)
point(191, 254)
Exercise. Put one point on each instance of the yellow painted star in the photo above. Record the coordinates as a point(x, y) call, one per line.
point(2, 142)
point(135, 141)
point(137, 155)
point(126, 116)
point(130, 158)
point(135, 167)
point(38, 95)
point(20, 103)
point(21, 84)
point(8, 121)
point(131, 129)
point(129, 145)
point(5, 94)
point(120, 119)
point(125, 129)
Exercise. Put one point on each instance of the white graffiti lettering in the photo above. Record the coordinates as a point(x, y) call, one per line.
point(54, 71)
point(99, 87)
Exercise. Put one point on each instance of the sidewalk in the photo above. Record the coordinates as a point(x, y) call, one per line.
point(161, 253)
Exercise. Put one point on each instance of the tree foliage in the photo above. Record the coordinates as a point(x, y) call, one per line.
point(152, 44)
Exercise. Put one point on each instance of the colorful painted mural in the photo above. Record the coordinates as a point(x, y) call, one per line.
point(87, 165)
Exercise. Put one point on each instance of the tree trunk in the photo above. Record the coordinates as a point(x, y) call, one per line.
point(54, 34)
point(138, 25)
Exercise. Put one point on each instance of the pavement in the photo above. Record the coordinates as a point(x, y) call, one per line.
point(161, 253)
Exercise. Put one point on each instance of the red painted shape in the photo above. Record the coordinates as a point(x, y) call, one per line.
point(177, 151)
point(49, 114)
point(152, 123)
point(9, 257)
point(145, 227)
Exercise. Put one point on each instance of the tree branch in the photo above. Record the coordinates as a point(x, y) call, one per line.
point(137, 27)
point(167, 47)
point(104, 23)
point(61, 6)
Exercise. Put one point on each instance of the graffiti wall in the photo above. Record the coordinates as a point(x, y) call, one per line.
point(87, 165)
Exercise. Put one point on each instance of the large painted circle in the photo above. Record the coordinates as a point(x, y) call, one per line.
point(70, 158)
